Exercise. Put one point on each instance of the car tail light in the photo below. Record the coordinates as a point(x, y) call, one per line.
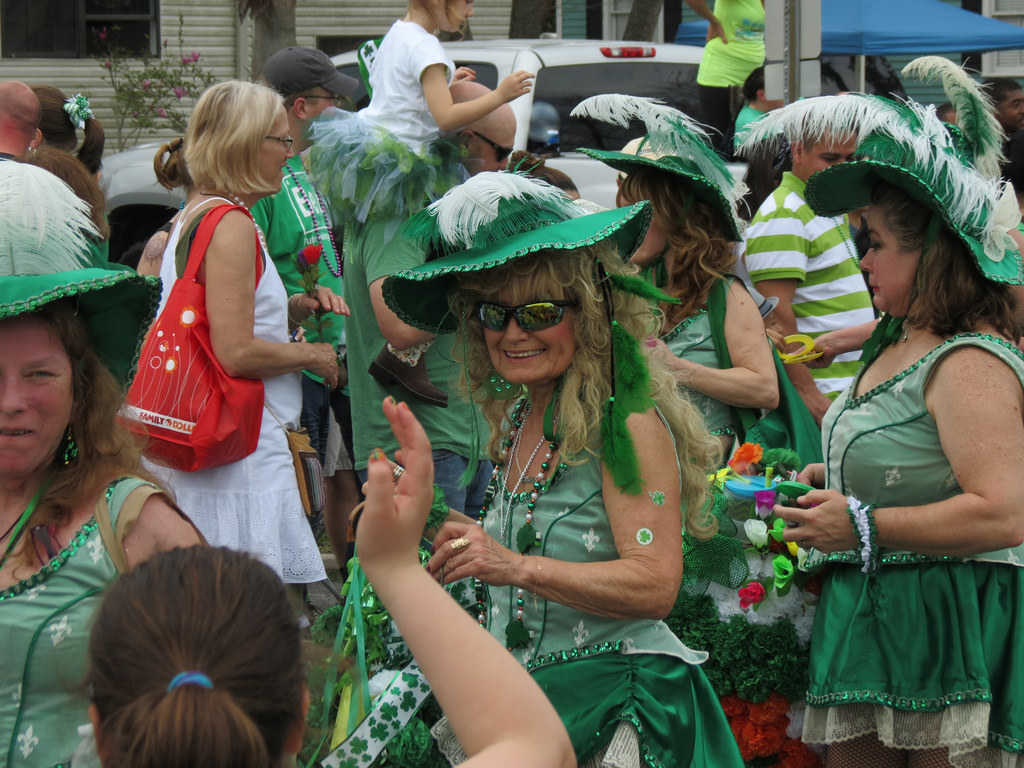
point(629, 52)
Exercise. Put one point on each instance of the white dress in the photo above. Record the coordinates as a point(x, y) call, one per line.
point(253, 505)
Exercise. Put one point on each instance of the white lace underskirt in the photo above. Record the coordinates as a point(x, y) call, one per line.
point(962, 728)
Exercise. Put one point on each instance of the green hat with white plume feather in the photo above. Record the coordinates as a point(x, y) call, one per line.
point(953, 174)
point(45, 257)
point(494, 219)
point(677, 144)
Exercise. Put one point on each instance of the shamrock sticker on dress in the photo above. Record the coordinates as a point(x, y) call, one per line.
point(644, 536)
point(658, 497)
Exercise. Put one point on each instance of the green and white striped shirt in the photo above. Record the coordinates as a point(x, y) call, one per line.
point(786, 240)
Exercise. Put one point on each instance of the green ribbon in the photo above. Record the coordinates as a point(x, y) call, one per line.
point(19, 526)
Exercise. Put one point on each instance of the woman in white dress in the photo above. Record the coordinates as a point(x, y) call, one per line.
point(236, 143)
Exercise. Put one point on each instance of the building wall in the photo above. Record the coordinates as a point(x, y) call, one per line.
point(211, 27)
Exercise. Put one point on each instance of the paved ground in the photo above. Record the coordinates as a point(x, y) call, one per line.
point(319, 594)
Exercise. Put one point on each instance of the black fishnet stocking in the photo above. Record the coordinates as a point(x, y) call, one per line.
point(868, 752)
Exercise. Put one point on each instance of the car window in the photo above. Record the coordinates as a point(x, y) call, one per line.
point(486, 73)
point(360, 98)
point(559, 89)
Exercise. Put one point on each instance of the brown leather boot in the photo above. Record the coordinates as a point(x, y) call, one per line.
point(390, 371)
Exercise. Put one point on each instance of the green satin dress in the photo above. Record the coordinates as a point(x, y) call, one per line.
point(598, 671)
point(928, 651)
point(691, 340)
point(44, 636)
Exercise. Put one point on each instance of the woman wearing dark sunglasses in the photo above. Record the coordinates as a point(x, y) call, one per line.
point(577, 556)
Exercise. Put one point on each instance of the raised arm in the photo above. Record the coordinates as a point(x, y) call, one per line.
point(508, 722)
point(642, 583)
point(450, 116)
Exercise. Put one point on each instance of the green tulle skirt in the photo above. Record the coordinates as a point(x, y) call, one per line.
point(367, 174)
point(671, 704)
point(924, 656)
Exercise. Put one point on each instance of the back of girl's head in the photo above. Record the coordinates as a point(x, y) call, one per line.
point(73, 172)
point(215, 612)
point(225, 134)
point(58, 130)
point(447, 5)
point(169, 165)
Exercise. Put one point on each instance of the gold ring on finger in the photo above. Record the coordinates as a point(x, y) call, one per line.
point(459, 544)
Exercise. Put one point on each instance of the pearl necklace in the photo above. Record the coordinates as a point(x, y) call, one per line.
point(516, 635)
point(238, 201)
point(335, 268)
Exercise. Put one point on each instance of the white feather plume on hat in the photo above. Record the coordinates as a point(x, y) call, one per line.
point(44, 226)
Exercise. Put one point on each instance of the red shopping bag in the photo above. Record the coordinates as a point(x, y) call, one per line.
point(192, 414)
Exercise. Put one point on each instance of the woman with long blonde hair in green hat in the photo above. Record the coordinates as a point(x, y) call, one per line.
point(600, 464)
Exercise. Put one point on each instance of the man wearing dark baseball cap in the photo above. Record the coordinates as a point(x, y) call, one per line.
point(297, 217)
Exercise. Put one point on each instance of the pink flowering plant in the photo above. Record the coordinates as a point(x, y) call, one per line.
point(151, 93)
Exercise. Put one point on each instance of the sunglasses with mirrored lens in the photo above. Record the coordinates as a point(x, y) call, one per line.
point(535, 316)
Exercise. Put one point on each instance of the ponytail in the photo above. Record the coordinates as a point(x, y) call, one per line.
point(188, 727)
point(222, 618)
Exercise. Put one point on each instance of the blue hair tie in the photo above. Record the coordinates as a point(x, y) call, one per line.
point(189, 678)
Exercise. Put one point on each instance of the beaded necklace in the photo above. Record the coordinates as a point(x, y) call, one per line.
point(516, 635)
point(237, 201)
point(334, 267)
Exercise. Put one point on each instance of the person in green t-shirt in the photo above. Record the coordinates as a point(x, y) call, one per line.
point(297, 216)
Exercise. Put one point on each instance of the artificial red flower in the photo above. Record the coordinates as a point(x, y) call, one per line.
point(795, 754)
point(774, 709)
point(751, 594)
point(310, 255)
point(746, 454)
point(733, 705)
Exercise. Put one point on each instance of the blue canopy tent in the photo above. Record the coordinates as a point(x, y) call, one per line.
point(880, 27)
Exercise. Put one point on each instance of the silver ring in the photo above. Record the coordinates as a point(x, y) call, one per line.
point(396, 473)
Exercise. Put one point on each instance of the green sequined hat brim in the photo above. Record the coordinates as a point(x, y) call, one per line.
point(707, 192)
point(419, 296)
point(117, 307)
point(848, 186)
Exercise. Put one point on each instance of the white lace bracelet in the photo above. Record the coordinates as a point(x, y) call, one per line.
point(863, 521)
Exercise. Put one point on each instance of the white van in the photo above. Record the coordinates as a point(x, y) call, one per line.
point(569, 71)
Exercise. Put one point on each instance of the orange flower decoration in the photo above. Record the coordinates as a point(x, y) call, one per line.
point(746, 454)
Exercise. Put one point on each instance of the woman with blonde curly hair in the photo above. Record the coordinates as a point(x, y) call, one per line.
point(689, 253)
point(577, 556)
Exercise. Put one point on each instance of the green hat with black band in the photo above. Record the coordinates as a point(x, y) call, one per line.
point(676, 144)
point(44, 258)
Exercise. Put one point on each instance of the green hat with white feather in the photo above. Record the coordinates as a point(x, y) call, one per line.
point(952, 173)
point(45, 258)
point(674, 143)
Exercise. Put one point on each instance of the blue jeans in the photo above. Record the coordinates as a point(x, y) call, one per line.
point(448, 468)
point(316, 414)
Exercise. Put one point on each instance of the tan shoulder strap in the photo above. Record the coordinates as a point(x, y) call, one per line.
point(131, 508)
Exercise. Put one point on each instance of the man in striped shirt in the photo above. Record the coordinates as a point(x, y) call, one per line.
point(810, 264)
